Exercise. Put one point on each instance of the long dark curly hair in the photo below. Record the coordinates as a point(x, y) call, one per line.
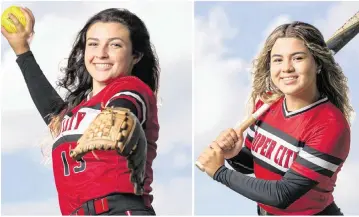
point(77, 80)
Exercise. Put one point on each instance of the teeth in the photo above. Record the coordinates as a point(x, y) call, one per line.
point(289, 78)
point(103, 66)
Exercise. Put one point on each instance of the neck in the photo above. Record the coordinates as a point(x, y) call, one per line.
point(97, 87)
point(294, 103)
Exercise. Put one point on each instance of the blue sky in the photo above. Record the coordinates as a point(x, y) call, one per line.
point(28, 186)
point(228, 35)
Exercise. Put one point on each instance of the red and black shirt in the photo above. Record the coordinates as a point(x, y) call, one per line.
point(295, 157)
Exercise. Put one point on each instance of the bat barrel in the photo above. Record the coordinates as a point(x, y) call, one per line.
point(344, 34)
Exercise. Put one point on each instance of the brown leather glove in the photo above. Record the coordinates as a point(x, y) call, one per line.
point(117, 129)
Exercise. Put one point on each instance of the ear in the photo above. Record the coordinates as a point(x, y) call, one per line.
point(137, 57)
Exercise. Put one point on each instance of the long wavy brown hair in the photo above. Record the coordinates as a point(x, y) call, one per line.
point(331, 82)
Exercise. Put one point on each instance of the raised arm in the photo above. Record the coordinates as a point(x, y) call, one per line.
point(45, 97)
point(43, 94)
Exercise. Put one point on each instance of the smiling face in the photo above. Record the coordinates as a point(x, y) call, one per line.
point(293, 68)
point(108, 52)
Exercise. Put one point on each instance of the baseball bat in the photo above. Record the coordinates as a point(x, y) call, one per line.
point(335, 43)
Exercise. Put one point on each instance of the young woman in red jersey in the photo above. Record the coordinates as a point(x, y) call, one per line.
point(112, 63)
point(296, 148)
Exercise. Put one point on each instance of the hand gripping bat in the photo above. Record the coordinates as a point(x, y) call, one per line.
point(339, 39)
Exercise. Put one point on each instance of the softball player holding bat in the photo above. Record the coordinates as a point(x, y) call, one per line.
point(297, 147)
point(112, 64)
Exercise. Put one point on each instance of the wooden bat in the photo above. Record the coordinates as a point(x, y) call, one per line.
point(335, 43)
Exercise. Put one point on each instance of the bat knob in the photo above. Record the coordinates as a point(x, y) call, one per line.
point(72, 153)
point(199, 166)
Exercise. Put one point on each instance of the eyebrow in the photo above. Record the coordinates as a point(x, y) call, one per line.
point(109, 39)
point(295, 53)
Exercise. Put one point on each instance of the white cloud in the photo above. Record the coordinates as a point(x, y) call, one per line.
point(277, 21)
point(346, 191)
point(181, 160)
point(219, 200)
point(48, 207)
point(170, 29)
point(218, 89)
point(336, 16)
point(20, 130)
point(210, 33)
point(180, 203)
point(175, 113)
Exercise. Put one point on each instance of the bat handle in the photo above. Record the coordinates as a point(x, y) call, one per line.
point(199, 166)
point(251, 119)
point(243, 126)
point(261, 110)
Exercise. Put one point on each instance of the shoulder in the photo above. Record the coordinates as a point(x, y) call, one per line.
point(329, 131)
point(327, 114)
point(128, 85)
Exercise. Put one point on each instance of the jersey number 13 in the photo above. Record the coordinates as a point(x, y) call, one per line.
point(76, 169)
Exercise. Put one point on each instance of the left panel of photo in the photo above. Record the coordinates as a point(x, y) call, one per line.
point(96, 108)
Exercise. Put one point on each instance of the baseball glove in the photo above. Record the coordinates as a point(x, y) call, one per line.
point(117, 129)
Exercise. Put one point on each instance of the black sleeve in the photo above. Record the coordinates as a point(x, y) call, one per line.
point(45, 97)
point(131, 95)
point(277, 193)
point(243, 162)
point(124, 103)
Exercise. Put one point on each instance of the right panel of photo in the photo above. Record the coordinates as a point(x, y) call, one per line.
point(275, 97)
